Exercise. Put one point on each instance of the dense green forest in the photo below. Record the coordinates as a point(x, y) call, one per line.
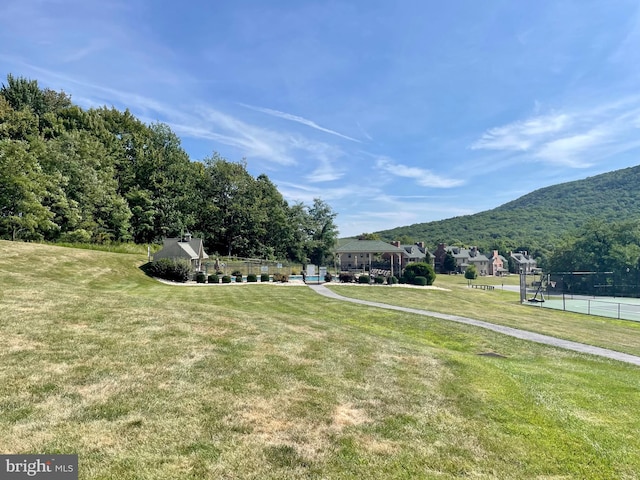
point(538, 222)
point(101, 175)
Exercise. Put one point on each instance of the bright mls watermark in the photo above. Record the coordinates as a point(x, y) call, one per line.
point(45, 467)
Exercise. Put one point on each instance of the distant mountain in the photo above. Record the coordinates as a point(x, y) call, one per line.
point(538, 220)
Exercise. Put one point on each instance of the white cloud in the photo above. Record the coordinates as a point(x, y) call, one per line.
point(571, 151)
point(301, 192)
point(576, 139)
point(325, 155)
point(522, 135)
point(422, 177)
point(297, 119)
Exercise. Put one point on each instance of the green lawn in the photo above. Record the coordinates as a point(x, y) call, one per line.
point(150, 381)
point(503, 307)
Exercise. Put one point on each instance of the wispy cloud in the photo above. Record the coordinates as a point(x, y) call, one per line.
point(297, 119)
point(422, 177)
point(84, 51)
point(364, 132)
point(302, 192)
point(571, 151)
point(577, 138)
point(252, 140)
point(522, 135)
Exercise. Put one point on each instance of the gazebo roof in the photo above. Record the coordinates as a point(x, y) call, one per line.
point(370, 246)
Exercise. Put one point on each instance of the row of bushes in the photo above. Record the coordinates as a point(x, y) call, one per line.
point(178, 270)
point(347, 277)
point(251, 278)
point(414, 274)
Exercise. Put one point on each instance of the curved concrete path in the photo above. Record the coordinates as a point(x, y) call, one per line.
point(512, 332)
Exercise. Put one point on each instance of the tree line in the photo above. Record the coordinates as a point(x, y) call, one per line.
point(69, 174)
point(601, 247)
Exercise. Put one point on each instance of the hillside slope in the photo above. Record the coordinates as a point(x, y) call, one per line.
point(536, 221)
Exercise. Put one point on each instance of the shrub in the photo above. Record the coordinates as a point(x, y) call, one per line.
point(264, 277)
point(239, 278)
point(419, 270)
point(77, 236)
point(214, 279)
point(252, 277)
point(226, 279)
point(346, 277)
point(392, 280)
point(402, 280)
point(235, 273)
point(379, 280)
point(422, 281)
point(201, 277)
point(471, 273)
point(171, 269)
point(364, 279)
point(328, 277)
point(280, 277)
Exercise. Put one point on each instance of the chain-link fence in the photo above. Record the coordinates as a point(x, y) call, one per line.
point(593, 284)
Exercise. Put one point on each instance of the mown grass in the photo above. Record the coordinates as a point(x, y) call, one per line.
point(113, 247)
point(503, 307)
point(149, 381)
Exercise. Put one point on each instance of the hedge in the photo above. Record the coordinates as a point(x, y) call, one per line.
point(171, 269)
point(346, 277)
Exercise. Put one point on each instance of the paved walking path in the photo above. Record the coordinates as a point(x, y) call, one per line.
point(512, 332)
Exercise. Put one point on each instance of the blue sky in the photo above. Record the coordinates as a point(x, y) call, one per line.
point(392, 112)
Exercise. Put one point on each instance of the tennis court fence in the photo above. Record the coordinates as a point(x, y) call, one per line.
point(611, 307)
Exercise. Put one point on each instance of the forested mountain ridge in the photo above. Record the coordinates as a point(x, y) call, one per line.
point(101, 175)
point(539, 220)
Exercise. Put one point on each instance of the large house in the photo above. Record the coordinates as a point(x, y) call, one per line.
point(185, 247)
point(525, 263)
point(465, 257)
point(498, 265)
